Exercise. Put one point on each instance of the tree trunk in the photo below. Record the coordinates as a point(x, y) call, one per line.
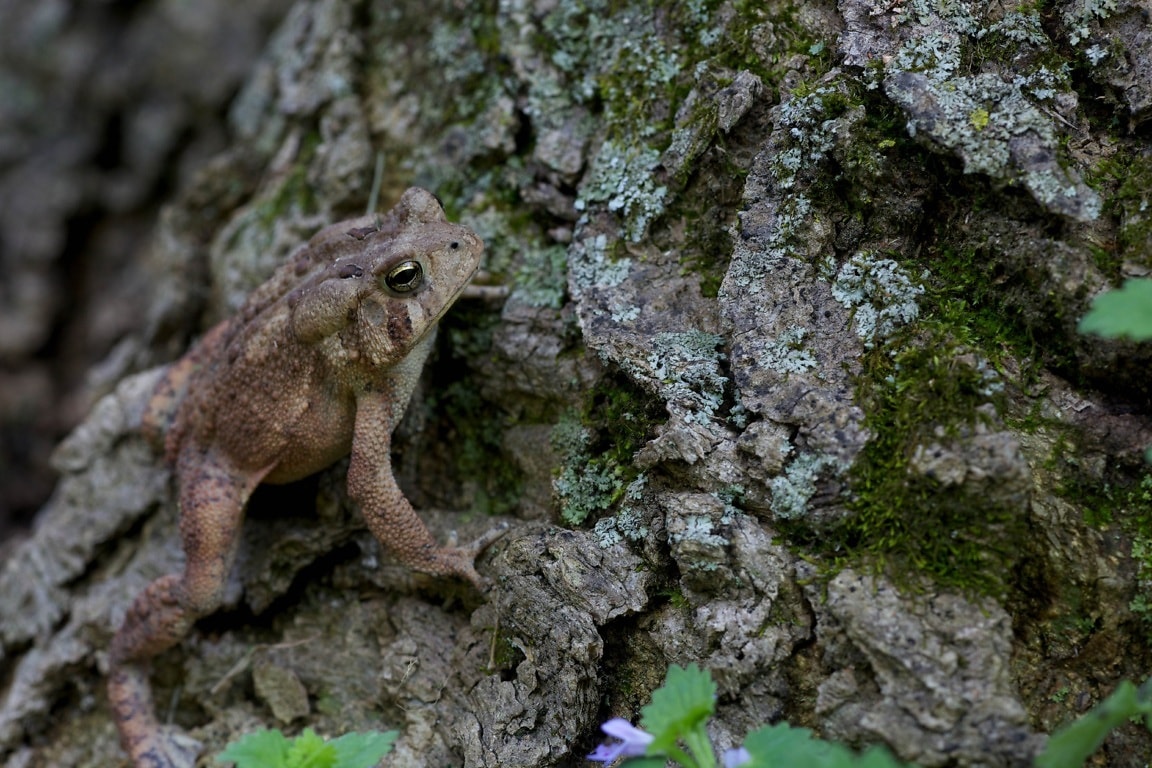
point(787, 384)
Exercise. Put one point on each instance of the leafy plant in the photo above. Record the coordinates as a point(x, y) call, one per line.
point(776, 746)
point(678, 715)
point(1126, 312)
point(1123, 313)
point(1070, 746)
point(272, 749)
point(680, 709)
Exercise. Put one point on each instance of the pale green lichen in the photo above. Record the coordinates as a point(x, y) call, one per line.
point(699, 529)
point(959, 14)
point(627, 524)
point(580, 34)
point(811, 135)
point(541, 279)
point(622, 313)
point(591, 266)
point(1043, 83)
point(1020, 27)
point(584, 491)
point(539, 268)
point(804, 137)
point(753, 261)
point(623, 178)
point(584, 485)
point(942, 110)
point(792, 490)
point(881, 296)
point(981, 151)
point(993, 383)
point(1080, 15)
point(986, 120)
point(698, 541)
point(646, 66)
point(1096, 54)
point(937, 55)
point(787, 353)
point(453, 47)
point(687, 365)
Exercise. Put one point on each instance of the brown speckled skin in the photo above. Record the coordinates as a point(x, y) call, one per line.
point(319, 362)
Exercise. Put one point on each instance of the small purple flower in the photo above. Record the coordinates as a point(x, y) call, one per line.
point(734, 758)
point(633, 741)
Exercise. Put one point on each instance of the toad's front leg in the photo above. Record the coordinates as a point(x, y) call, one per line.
point(212, 498)
point(387, 512)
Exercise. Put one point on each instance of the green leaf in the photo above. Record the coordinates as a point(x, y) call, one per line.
point(1126, 312)
point(262, 749)
point(1070, 746)
point(878, 757)
point(363, 750)
point(687, 698)
point(782, 746)
point(311, 751)
point(644, 762)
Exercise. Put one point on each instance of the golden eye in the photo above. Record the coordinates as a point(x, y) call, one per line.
point(405, 277)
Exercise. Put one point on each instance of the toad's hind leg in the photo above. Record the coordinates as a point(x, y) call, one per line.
point(212, 498)
point(159, 417)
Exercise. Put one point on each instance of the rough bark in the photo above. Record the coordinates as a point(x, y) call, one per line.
point(788, 384)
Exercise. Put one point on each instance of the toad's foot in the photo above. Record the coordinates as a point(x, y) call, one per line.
point(167, 747)
point(149, 744)
point(461, 561)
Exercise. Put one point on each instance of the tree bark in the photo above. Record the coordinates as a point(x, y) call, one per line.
point(787, 384)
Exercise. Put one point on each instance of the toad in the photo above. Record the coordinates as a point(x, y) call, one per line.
point(319, 363)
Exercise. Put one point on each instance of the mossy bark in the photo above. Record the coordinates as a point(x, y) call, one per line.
point(787, 384)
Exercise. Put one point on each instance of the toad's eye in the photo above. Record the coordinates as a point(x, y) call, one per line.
point(405, 277)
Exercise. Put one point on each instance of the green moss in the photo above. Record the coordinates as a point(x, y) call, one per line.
point(917, 384)
point(905, 520)
point(765, 38)
point(596, 448)
point(474, 427)
point(876, 147)
point(1126, 501)
point(967, 298)
point(1128, 174)
point(505, 654)
point(293, 193)
point(926, 383)
point(916, 388)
